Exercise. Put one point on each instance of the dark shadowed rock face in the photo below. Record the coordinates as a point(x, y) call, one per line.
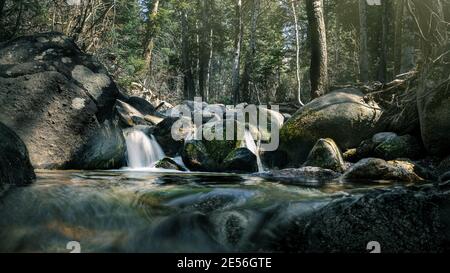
point(434, 114)
point(400, 220)
point(105, 150)
point(15, 166)
point(53, 96)
point(241, 160)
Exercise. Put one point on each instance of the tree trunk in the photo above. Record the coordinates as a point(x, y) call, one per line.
point(209, 68)
point(408, 41)
point(319, 58)
point(248, 68)
point(297, 54)
point(237, 52)
point(400, 7)
point(149, 42)
point(384, 41)
point(189, 84)
point(363, 52)
point(204, 52)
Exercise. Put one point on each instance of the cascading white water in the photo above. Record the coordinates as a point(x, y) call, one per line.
point(250, 144)
point(143, 151)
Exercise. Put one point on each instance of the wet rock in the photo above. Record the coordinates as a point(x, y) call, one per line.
point(400, 220)
point(274, 159)
point(241, 160)
point(382, 137)
point(169, 164)
point(301, 175)
point(15, 166)
point(53, 96)
point(434, 114)
point(379, 169)
point(325, 154)
point(105, 150)
point(364, 150)
point(163, 134)
point(342, 115)
point(405, 146)
point(445, 177)
point(196, 157)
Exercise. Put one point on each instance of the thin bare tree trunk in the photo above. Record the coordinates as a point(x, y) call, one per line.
point(400, 7)
point(384, 40)
point(248, 68)
point(149, 42)
point(189, 84)
point(298, 97)
point(209, 68)
point(319, 57)
point(363, 52)
point(237, 52)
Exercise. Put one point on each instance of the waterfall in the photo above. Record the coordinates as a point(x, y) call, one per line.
point(142, 151)
point(250, 144)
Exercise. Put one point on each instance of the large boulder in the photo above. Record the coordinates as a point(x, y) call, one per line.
point(375, 169)
point(343, 115)
point(53, 96)
point(326, 154)
point(104, 150)
point(434, 114)
point(15, 166)
point(400, 220)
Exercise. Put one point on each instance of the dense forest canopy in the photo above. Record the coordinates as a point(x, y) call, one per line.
point(247, 50)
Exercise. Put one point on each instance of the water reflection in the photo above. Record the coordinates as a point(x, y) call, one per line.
point(129, 211)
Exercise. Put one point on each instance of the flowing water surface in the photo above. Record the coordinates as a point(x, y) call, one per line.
point(151, 211)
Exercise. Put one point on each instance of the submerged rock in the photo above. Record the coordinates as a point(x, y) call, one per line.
point(240, 160)
point(15, 166)
point(378, 169)
point(53, 96)
point(325, 154)
point(342, 115)
point(301, 175)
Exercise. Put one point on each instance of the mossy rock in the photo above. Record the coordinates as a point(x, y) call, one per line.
point(342, 115)
point(326, 154)
point(405, 146)
point(241, 160)
point(196, 157)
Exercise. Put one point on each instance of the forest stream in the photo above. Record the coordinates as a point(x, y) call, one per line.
point(148, 211)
